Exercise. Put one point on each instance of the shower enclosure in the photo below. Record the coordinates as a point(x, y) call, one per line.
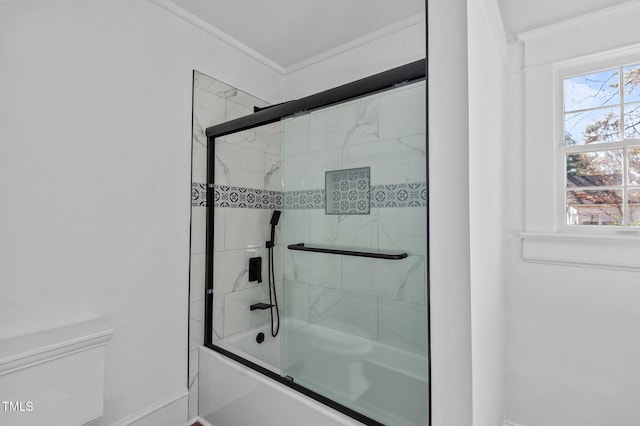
point(332, 191)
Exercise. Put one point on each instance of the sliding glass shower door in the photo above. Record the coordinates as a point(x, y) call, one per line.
point(317, 263)
point(354, 254)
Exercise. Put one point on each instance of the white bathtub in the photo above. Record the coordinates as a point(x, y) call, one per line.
point(265, 354)
point(353, 371)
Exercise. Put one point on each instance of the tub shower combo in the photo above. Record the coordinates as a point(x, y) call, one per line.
point(316, 247)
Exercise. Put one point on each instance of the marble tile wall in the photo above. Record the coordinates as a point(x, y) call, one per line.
point(215, 102)
point(380, 299)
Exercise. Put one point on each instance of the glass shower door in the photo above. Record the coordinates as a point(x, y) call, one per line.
point(355, 320)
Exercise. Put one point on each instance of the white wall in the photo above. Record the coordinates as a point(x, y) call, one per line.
point(95, 155)
point(449, 213)
point(487, 139)
point(572, 331)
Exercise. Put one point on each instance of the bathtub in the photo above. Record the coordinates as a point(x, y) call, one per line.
point(353, 371)
point(265, 354)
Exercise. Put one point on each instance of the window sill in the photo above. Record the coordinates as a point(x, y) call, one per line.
point(588, 251)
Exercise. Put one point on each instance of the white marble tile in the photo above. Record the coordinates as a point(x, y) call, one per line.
point(218, 318)
point(245, 138)
point(312, 268)
point(198, 229)
point(358, 230)
point(344, 230)
point(323, 228)
point(193, 399)
point(403, 325)
point(403, 229)
point(193, 368)
point(391, 279)
point(217, 88)
point(211, 85)
point(403, 111)
point(346, 124)
point(199, 163)
point(295, 226)
point(231, 270)
point(197, 277)
point(307, 171)
point(296, 136)
point(278, 263)
point(196, 324)
point(358, 275)
point(344, 311)
point(296, 300)
point(244, 99)
point(270, 138)
point(219, 228)
point(273, 172)
point(238, 166)
point(208, 110)
point(267, 138)
point(237, 315)
point(247, 228)
point(398, 160)
point(201, 81)
point(234, 110)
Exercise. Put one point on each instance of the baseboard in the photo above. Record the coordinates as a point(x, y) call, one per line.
point(153, 408)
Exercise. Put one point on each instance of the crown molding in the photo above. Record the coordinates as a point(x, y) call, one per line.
point(170, 6)
point(180, 12)
point(360, 41)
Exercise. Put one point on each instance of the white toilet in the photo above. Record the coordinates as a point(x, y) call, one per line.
point(54, 377)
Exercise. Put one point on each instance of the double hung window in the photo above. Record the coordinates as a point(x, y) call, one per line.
point(599, 148)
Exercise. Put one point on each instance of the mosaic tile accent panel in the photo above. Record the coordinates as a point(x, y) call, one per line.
point(311, 199)
point(246, 198)
point(198, 194)
point(382, 196)
point(399, 195)
point(348, 191)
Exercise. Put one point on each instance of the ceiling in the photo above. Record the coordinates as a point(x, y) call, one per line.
point(524, 15)
point(288, 33)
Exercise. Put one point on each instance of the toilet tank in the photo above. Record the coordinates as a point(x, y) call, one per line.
point(54, 377)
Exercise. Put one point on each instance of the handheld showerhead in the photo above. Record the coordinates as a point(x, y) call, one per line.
point(275, 217)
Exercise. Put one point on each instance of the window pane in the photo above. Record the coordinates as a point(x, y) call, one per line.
point(591, 90)
point(632, 121)
point(632, 83)
point(599, 168)
point(600, 125)
point(595, 207)
point(633, 205)
point(634, 165)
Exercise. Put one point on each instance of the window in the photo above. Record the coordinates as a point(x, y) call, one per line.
point(600, 147)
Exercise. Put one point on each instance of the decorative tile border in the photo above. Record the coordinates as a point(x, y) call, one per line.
point(311, 199)
point(348, 191)
point(198, 194)
point(382, 196)
point(400, 195)
point(246, 198)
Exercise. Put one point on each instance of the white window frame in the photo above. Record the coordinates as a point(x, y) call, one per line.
point(580, 45)
point(572, 68)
